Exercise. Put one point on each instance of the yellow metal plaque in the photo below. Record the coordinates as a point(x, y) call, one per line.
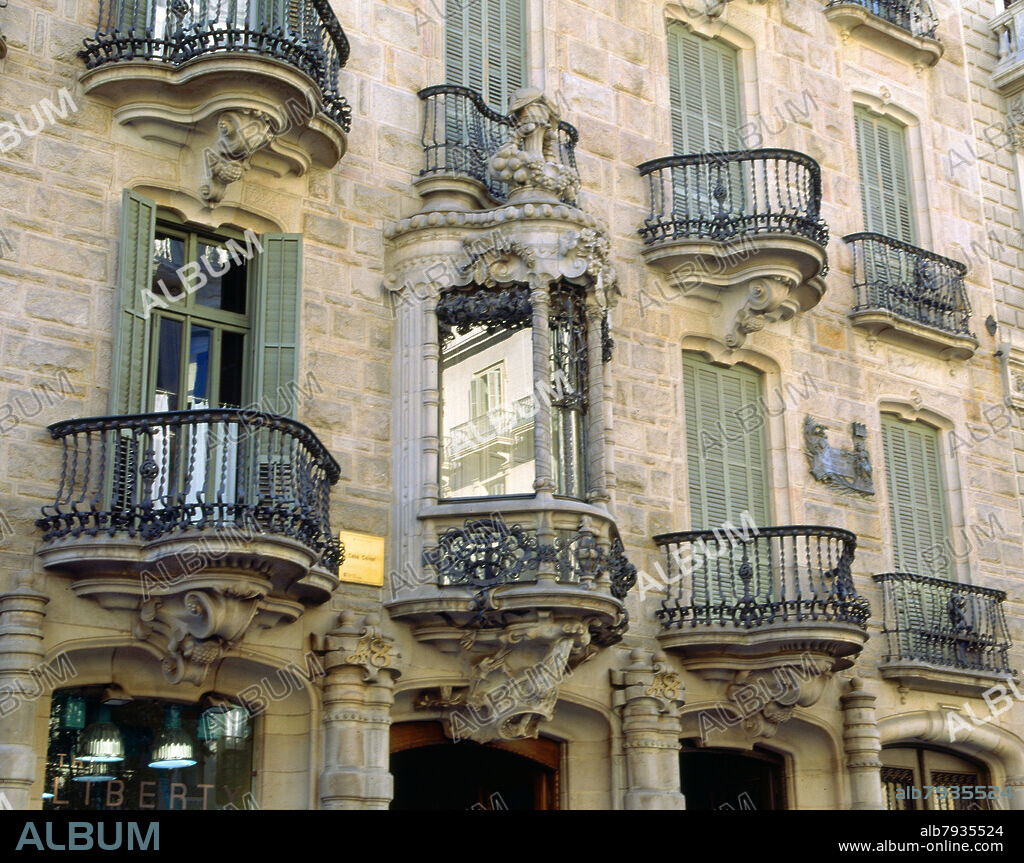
point(364, 558)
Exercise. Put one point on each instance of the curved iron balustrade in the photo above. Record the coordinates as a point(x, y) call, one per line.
point(719, 196)
point(302, 33)
point(915, 284)
point(945, 623)
point(914, 16)
point(460, 133)
point(149, 475)
point(757, 577)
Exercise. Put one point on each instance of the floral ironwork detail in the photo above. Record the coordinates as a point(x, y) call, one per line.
point(494, 309)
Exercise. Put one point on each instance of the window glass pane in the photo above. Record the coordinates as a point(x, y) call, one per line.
point(232, 347)
point(168, 258)
point(168, 366)
point(225, 279)
point(199, 367)
point(206, 756)
point(487, 413)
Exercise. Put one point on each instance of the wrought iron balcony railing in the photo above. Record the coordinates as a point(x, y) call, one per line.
point(304, 34)
point(909, 282)
point(945, 623)
point(720, 196)
point(488, 552)
point(914, 16)
point(760, 577)
point(460, 133)
point(150, 475)
point(497, 424)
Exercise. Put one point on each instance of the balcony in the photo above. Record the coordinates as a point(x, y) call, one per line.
point(942, 635)
point(775, 606)
point(476, 158)
point(904, 28)
point(741, 228)
point(257, 83)
point(1008, 76)
point(911, 296)
point(204, 520)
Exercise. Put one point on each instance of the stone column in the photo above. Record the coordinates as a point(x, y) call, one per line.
point(596, 397)
point(22, 611)
point(862, 744)
point(358, 693)
point(649, 694)
point(540, 301)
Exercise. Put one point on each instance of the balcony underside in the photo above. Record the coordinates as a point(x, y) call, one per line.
point(895, 329)
point(855, 19)
point(181, 104)
point(916, 674)
point(707, 648)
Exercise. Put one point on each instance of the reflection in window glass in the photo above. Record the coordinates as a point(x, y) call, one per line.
point(168, 367)
point(146, 754)
point(225, 279)
point(487, 413)
point(569, 382)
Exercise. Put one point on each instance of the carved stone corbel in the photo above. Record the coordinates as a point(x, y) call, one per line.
point(768, 299)
point(193, 629)
point(766, 698)
point(240, 134)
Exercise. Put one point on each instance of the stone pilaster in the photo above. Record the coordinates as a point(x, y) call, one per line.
point(862, 744)
point(649, 694)
point(21, 654)
point(540, 302)
point(358, 694)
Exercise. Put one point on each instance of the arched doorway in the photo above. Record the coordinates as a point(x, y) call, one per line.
point(433, 773)
point(729, 779)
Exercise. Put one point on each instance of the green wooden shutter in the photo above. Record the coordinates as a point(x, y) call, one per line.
point(884, 176)
point(276, 345)
point(703, 92)
point(917, 498)
point(725, 447)
point(133, 15)
point(129, 391)
point(485, 47)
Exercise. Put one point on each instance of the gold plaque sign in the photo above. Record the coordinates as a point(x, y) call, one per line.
point(364, 558)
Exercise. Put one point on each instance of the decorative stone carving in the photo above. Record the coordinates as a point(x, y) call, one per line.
point(358, 641)
point(845, 470)
point(529, 161)
point(1012, 361)
point(766, 698)
point(240, 134)
point(193, 629)
point(768, 299)
point(513, 687)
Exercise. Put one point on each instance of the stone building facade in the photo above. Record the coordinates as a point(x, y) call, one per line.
point(754, 538)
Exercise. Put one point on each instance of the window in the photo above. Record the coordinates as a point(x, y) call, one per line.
point(204, 320)
point(145, 754)
point(917, 498)
point(908, 770)
point(704, 93)
point(725, 444)
point(488, 383)
point(884, 177)
point(485, 48)
point(255, 14)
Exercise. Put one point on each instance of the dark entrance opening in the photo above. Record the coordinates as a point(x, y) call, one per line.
point(726, 779)
point(431, 772)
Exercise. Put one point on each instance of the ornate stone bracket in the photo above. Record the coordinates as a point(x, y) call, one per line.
point(358, 641)
point(194, 629)
point(530, 161)
point(768, 299)
point(513, 687)
point(766, 698)
point(240, 134)
point(845, 470)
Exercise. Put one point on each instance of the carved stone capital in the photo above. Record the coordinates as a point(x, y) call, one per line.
point(239, 135)
point(194, 628)
point(358, 641)
point(648, 680)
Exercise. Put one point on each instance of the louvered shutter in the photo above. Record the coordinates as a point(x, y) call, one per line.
point(704, 93)
point(277, 327)
point(133, 16)
point(884, 177)
point(128, 393)
point(485, 48)
point(726, 463)
point(917, 499)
